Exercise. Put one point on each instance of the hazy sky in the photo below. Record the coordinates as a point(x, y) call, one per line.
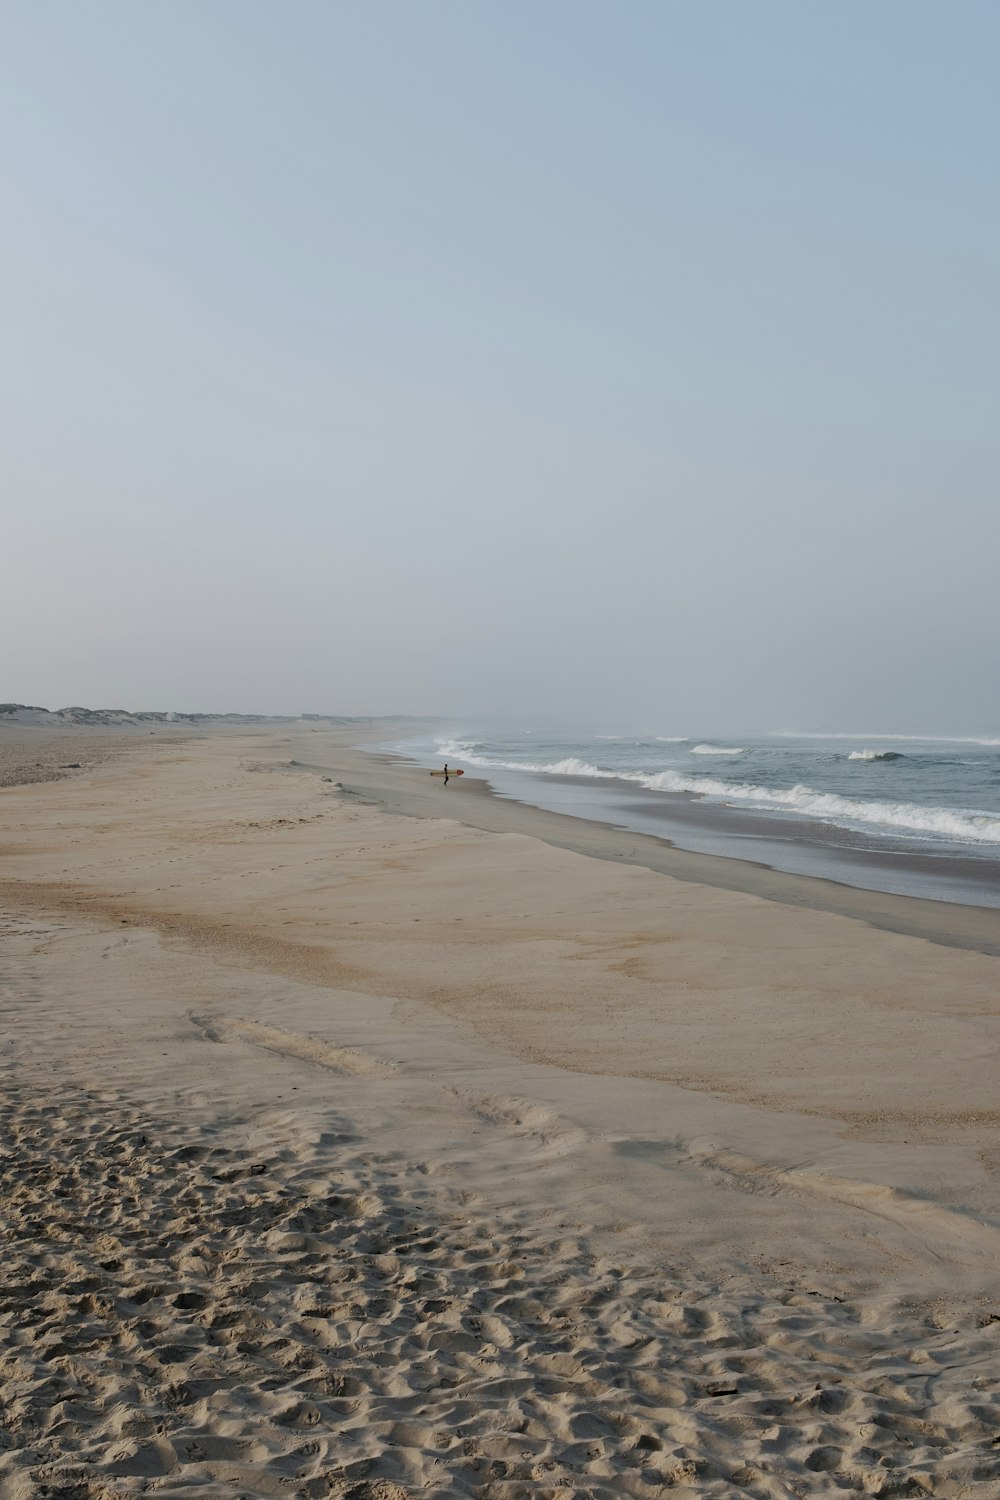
point(632, 363)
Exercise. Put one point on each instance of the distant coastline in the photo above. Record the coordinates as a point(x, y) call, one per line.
point(29, 713)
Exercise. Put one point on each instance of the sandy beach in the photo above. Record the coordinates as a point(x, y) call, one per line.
point(363, 1137)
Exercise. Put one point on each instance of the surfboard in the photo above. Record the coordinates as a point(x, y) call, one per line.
point(447, 773)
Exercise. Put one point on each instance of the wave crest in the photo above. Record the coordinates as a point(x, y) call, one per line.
point(468, 751)
point(573, 766)
point(876, 755)
point(964, 825)
point(718, 749)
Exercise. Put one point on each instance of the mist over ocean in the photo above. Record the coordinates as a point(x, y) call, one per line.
point(913, 799)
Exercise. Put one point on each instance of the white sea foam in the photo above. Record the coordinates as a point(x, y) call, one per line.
point(875, 755)
point(967, 825)
point(963, 825)
point(570, 766)
point(573, 766)
point(718, 749)
point(673, 739)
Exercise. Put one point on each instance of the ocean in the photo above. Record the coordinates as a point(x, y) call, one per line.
point(910, 815)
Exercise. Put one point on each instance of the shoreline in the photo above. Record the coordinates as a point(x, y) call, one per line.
point(953, 924)
point(791, 845)
point(376, 1154)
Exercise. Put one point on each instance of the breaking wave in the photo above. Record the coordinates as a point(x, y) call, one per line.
point(570, 766)
point(718, 749)
point(967, 825)
point(963, 825)
point(876, 755)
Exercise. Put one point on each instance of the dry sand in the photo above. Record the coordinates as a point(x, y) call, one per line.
point(351, 1153)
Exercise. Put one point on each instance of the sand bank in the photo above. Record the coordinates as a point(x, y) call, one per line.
point(352, 1153)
